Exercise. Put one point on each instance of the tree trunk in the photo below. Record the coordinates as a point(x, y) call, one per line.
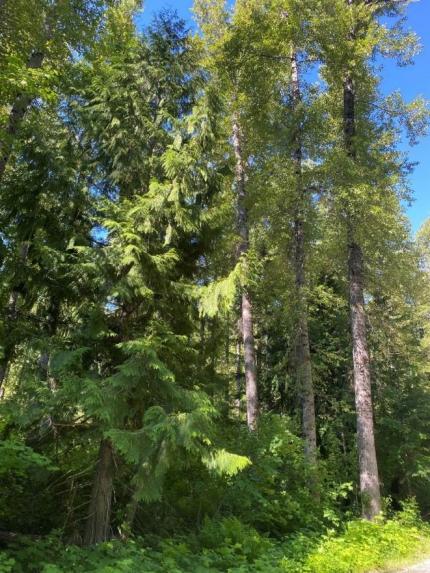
point(369, 480)
point(250, 366)
point(98, 522)
point(368, 465)
point(19, 108)
point(302, 350)
point(246, 306)
point(238, 368)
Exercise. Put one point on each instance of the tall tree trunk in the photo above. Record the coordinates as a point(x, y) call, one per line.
point(302, 350)
point(246, 306)
point(238, 367)
point(19, 108)
point(369, 480)
point(98, 522)
point(368, 465)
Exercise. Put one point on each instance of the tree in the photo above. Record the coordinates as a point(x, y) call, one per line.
point(361, 34)
point(224, 64)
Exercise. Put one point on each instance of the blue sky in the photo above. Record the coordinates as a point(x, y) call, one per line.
point(411, 81)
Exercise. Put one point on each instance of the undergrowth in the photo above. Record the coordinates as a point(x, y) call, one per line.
point(230, 546)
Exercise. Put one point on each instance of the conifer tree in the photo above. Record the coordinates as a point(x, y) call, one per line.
point(361, 34)
point(160, 187)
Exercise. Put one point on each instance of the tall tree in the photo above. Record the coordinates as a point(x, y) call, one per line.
point(225, 66)
point(370, 173)
point(369, 476)
point(303, 354)
point(159, 185)
point(247, 319)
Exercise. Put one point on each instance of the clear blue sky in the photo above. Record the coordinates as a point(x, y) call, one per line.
point(411, 81)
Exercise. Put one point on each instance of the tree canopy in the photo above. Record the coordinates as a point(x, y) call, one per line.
point(214, 340)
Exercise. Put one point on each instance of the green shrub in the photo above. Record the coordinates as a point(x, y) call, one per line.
point(229, 546)
point(6, 563)
point(365, 546)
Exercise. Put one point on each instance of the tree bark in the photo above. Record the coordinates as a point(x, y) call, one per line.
point(302, 350)
point(238, 368)
point(368, 465)
point(19, 109)
point(98, 521)
point(250, 366)
point(246, 306)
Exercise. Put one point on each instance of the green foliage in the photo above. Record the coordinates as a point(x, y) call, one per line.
point(230, 546)
point(120, 281)
point(226, 463)
point(367, 546)
point(273, 493)
point(20, 459)
point(6, 564)
point(219, 296)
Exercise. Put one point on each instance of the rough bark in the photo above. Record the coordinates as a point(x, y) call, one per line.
point(98, 521)
point(302, 350)
point(19, 109)
point(368, 465)
point(246, 306)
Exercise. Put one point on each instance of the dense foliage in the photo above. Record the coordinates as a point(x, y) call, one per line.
point(208, 284)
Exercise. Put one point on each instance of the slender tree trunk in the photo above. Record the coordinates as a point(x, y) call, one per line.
point(246, 306)
point(368, 465)
point(19, 109)
point(303, 354)
point(98, 522)
point(238, 368)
